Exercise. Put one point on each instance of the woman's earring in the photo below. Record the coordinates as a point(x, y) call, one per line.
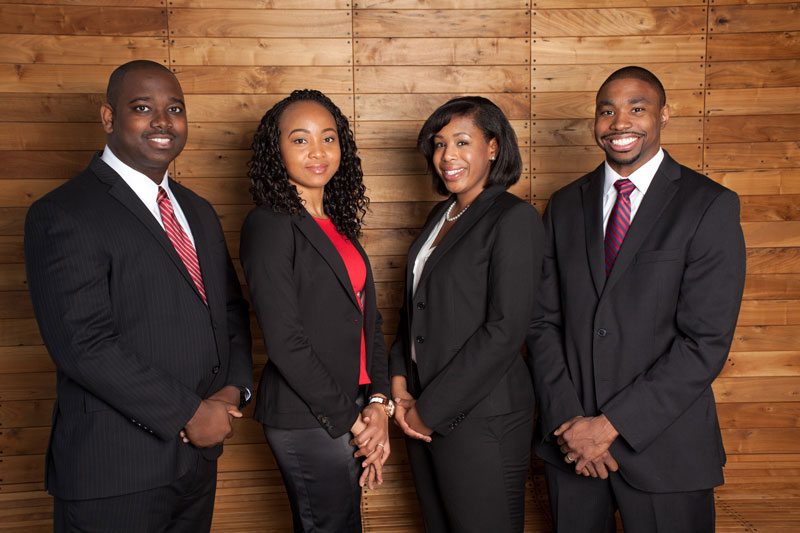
point(492, 158)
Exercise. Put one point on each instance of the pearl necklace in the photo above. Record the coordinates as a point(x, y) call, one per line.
point(447, 216)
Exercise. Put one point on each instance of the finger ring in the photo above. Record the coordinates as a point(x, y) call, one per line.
point(381, 445)
point(569, 459)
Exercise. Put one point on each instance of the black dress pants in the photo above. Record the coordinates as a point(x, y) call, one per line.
point(321, 478)
point(587, 505)
point(473, 479)
point(184, 506)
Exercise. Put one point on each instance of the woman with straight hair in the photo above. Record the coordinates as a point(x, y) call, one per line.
point(323, 395)
point(463, 392)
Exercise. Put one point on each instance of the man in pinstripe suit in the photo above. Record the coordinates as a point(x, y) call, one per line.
point(147, 328)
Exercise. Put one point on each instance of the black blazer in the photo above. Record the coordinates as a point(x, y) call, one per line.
point(312, 323)
point(644, 345)
point(472, 306)
point(135, 347)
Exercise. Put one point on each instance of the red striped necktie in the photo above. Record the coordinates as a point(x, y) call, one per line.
point(180, 241)
point(619, 222)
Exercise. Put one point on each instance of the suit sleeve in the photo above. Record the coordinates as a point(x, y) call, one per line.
point(68, 280)
point(378, 363)
point(708, 306)
point(379, 369)
point(399, 350)
point(267, 255)
point(488, 354)
point(555, 393)
point(240, 368)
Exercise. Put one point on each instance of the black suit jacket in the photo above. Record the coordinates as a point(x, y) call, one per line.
point(136, 348)
point(312, 323)
point(644, 345)
point(470, 312)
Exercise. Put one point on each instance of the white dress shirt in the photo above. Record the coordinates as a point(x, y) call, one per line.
point(147, 190)
point(641, 179)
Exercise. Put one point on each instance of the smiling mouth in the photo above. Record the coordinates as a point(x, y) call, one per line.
point(318, 169)
point(161, 140)
point(622, 142)
point(452, 173)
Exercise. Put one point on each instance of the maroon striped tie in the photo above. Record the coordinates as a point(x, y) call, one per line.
point(619, 222)
point(180, 241)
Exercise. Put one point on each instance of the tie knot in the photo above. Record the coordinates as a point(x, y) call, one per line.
point(624, 186)
point(163, 194)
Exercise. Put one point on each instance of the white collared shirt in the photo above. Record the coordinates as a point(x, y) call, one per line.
point(641, 179)
point(147, 190)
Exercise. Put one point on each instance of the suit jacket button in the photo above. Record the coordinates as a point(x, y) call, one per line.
point(215, 370)
point(420, 339)
point(602, 332)
point(420, 305)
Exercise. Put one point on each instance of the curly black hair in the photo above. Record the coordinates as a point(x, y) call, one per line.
point(344, 198)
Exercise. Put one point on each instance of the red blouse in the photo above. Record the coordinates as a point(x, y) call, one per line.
point(357, 270)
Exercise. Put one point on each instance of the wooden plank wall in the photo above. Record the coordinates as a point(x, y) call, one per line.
point(733, 81)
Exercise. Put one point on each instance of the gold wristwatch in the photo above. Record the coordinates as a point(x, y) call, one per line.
point(388, 405)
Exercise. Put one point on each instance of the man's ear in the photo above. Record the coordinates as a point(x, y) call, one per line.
point(664, 118)
point(107, 117)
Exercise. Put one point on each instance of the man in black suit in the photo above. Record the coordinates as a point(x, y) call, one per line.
point(141, 311)
point(640, 295)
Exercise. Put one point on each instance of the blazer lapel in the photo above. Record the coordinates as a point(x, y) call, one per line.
point(416, 245)
point(661, 190)
point(319, 240)
point(481, 204)
point(592, 195)
point(125, 195)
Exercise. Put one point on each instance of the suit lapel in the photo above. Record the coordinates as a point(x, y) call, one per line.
point(415, 247)
point(661, 190)
point(592, 196)
point(320, 241)
point(125, 195)
point(481, 204)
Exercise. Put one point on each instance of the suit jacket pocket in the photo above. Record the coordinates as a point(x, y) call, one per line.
point(656, 256)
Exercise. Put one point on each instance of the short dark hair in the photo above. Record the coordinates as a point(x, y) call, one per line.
point(344, 199)
point(117, 77)
point(506, 168)
point(638, 73)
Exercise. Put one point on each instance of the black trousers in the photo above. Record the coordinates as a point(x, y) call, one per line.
point(321, 478)
point(184, 506)
point(473, 479)
point(587, 505)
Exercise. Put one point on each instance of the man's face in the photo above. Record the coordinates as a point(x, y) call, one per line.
point(146, 127)
point(628, 122)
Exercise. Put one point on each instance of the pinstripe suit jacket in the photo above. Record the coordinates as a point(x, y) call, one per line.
point(135, 347)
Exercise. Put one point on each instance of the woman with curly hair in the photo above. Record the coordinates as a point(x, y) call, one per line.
point(313, 293)
point(464, 395)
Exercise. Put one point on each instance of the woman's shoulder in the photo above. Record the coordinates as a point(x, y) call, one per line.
point(510, 205)
point(263, 220)
point(266, 214)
